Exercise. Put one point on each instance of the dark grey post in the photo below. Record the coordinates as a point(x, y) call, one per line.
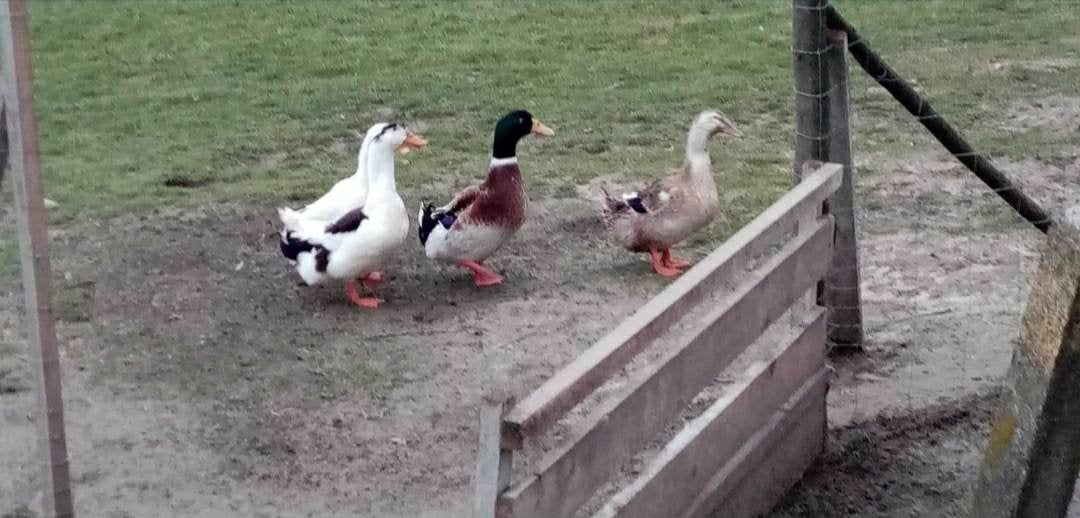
point(4, 153)
point(811, 99)
point(811, 83)
point(842, 294)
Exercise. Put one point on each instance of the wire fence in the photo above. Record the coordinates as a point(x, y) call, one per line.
point(943, 257)
point(945, 233)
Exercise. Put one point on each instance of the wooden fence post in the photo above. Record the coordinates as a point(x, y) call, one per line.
point(842, 293)
point(4, 152)
point(33, 243)
point(811, 83)
point(494, 464)
point(811, 110)
point(1030, 466)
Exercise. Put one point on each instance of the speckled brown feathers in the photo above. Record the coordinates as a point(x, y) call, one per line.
point(668, 210)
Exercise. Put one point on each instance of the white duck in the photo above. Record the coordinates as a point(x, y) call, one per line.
point(348, 193)
point(358, 242)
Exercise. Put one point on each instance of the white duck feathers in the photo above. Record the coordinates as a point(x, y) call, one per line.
point(361, 240)
point(348, 193)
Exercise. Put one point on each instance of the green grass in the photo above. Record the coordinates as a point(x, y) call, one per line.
point(259, 102)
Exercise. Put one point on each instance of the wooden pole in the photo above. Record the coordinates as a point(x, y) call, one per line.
point(842, 293)
point(937, 126)
point(1030, 466)
point(33, 244)
point(811, 83)
point(811, 109)
point(494, 464)
point(4, 150)
point(1055, 457)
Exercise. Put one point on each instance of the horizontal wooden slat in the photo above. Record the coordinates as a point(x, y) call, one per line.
point(546, 405)
point(681, 470)
point(770, 463)
point(567, 477)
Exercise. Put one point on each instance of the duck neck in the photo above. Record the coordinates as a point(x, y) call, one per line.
point(361, 174)
point(697, 148)
point(361, 160)
point(505, 143)
point(380, 171)
point(504, 148)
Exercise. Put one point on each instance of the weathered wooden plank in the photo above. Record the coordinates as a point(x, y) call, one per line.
point(486, 482)
point(751, 483)
point(494, 464)
point(545, 406)
point(681, 470)
point(567, 477)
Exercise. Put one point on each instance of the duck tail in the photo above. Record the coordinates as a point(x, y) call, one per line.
point(611, 204)
point(608, 196)
point(426, 221)
point(291, 244)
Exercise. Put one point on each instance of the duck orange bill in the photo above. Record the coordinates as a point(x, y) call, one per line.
point(539, 128)
point(412, 141)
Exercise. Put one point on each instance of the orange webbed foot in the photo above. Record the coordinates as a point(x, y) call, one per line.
point(673, 262)
point(372, 280)
point(359, 300)
point(482, 277)
point(660, 266)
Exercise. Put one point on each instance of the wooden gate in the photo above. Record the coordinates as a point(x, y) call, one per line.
point(747, 447)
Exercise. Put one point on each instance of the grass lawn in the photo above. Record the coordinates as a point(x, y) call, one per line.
point(150, 103)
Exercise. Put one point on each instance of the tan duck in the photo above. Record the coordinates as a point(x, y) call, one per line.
point(657, 217)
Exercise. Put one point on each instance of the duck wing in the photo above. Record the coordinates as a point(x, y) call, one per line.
point(461, 202)
point(348, 222)
point(431, 216)
point(650, 199)
point(346, 195)
point(309, 244)
point(302, 234)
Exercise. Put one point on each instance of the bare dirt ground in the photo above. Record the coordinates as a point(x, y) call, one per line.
point(200, 381)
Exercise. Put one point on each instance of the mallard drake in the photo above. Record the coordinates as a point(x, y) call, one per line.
point(356, 244)
point(480, 219)
point(667, 211)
